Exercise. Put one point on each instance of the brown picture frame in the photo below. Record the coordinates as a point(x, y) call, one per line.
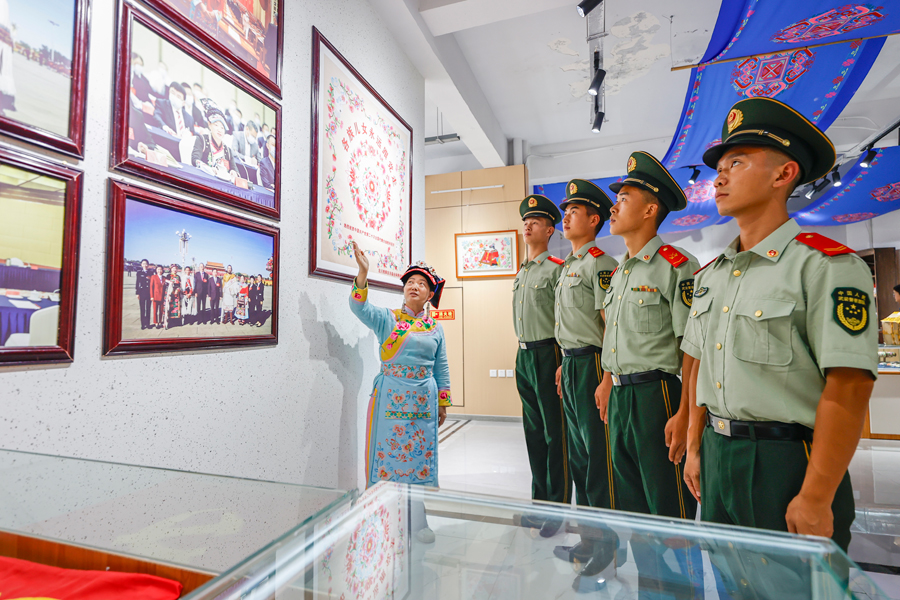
point(319, 41)
point(273, 86)
point(73, 144)
point(508, 273)
point(113, 344)
point(119, 157)
point(64, 350)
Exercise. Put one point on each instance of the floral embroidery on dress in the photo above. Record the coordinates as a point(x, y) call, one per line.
point(359, 295)
point(406, 324)
point(406, 371)
point(409, 458)
point(410, 402)
point(444, 398)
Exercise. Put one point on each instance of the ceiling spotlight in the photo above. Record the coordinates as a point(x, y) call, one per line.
point(596, 82)
point(598, 121)
point(694, 176)
point(868, 159)
point(587, 6)
point(836, 177)
point(810, 191)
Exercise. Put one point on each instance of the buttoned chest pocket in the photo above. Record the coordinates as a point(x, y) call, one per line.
point(539, 294)
point(643, 312)
point(573, 292)
point(763, 330)
point(698, 321)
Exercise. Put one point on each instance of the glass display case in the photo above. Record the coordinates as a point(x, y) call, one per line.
point(185, 526)
point(371, 549)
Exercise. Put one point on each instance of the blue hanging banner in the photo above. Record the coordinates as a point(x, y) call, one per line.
point(867, 193)
point(816, 82)
point(753, 27)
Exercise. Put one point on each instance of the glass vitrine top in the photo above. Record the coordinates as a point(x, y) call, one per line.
point(204, 522)
point(481, 550)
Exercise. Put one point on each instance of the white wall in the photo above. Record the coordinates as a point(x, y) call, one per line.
point(293, 412)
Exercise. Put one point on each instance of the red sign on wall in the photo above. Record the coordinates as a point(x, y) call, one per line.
point(444, 315)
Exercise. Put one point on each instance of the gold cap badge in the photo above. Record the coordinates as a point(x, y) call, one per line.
point(632, 164)
point(573, 188)
point(532, 202)
point(735, 118)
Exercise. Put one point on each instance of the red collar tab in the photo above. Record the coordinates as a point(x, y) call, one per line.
point(673, 256)
point(553, 259)
point(595, 252)
point(706, 265)
point(614, 272)
point(823, 244)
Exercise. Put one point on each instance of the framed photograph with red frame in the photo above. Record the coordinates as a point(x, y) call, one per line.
point(43, 72)
point(360, 176)
point(211, 284)
point(487, 254)
point(219, 138)
point(39, 243)
point(249, 34)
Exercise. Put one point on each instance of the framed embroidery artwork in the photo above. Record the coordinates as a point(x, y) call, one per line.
point(212, 283)
point(247, 33)
point(487, 254)
point(361, 174)
point(40, 204)
point(184, 120)
point(43, 72)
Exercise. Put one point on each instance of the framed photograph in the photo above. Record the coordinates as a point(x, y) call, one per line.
point(361, 174)
point(247, 33)
point(184, 120)
point(180, 276)
point(487, 254)
point(43, 72)
point(39, 239)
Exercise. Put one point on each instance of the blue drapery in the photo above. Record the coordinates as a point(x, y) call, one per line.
point(866, 193)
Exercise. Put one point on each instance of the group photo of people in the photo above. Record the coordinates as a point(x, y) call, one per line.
point(187, 120)
point(170, 291)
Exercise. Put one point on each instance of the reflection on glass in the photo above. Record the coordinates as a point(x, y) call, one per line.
point(31, 240)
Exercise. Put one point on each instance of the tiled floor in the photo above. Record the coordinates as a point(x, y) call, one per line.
point(489, 457)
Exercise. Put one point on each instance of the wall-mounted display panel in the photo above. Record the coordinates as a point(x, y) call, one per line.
point(487, 254)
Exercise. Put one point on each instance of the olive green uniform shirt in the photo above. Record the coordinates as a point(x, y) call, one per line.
point(767, 322)
point(533, 292)
point(579, 298)
point(646, 308)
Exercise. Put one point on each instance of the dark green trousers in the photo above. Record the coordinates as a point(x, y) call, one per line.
point(544, 420)
point(750, 483)
point(589, 456)
point(646, 480)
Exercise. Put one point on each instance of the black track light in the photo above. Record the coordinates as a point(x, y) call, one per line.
point(811, 190)
point(694, 176)
point(587, 6)
point(868, 159)
point(836, 177)
point(596, 82)
point(598, 121)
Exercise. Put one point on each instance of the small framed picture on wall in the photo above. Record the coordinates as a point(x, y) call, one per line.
point(487, 254)
point(43, 72)
point(40, 204)
point(180, 276)
point(183, 119)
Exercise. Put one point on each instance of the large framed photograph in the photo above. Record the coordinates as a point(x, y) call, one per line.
point(184, 120)
point(40, 204)
point(248, 33)
point(182, 276)
point(487, 254)
point(43, 72)
point(361, 174)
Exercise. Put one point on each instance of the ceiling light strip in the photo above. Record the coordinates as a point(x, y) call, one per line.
point(469, 189)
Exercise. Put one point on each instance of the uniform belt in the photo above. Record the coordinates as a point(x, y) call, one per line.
point(760, 430)
point(582, 351)
point(645, 377)
point(537, 344)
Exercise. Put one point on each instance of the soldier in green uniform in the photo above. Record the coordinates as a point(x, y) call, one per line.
point(646, 307)
point(538, 358)
point(580, 293)
point(782, 330)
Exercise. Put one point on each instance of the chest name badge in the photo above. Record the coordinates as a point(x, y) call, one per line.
point(687, 291)
point(851, 309)
point(605, 277)
point(700, 292)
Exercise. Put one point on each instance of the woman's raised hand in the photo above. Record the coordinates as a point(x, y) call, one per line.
point(363, 261)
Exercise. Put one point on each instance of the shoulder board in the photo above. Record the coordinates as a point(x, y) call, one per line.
point(706, 265)
point(553, 259)
point(823, 244)
point(595, 252)
point(673, 256)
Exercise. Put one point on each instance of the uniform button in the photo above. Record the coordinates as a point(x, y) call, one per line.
point(626, 271)
point(615, 323)
point(620, 297)
point(520, 302)
point(535, 286)
point(579, 256)
point(725, 309)
point(614, 350)
point(719, 384)
point(520, 318)
point(718, 346)
point(737, 273)
point(695, 313)
point(526, 270)
point(758, 313)
point(744, 582)
point(641, 301)
point(557, 323)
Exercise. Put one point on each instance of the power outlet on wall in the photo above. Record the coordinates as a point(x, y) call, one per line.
point(509, 373)
point(493, 372)
point(501, 373)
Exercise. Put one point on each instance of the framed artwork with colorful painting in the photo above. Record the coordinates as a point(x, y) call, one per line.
point(40, 204)
point(184, 120)
point(361, 174)
point(43, 72)
point(249, 34)
point(487, 254)
point(180, 276)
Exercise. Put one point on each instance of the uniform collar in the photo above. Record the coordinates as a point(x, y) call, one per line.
point(772, 247)
point(540, 258)
point(649, 250)
point(583, 251)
